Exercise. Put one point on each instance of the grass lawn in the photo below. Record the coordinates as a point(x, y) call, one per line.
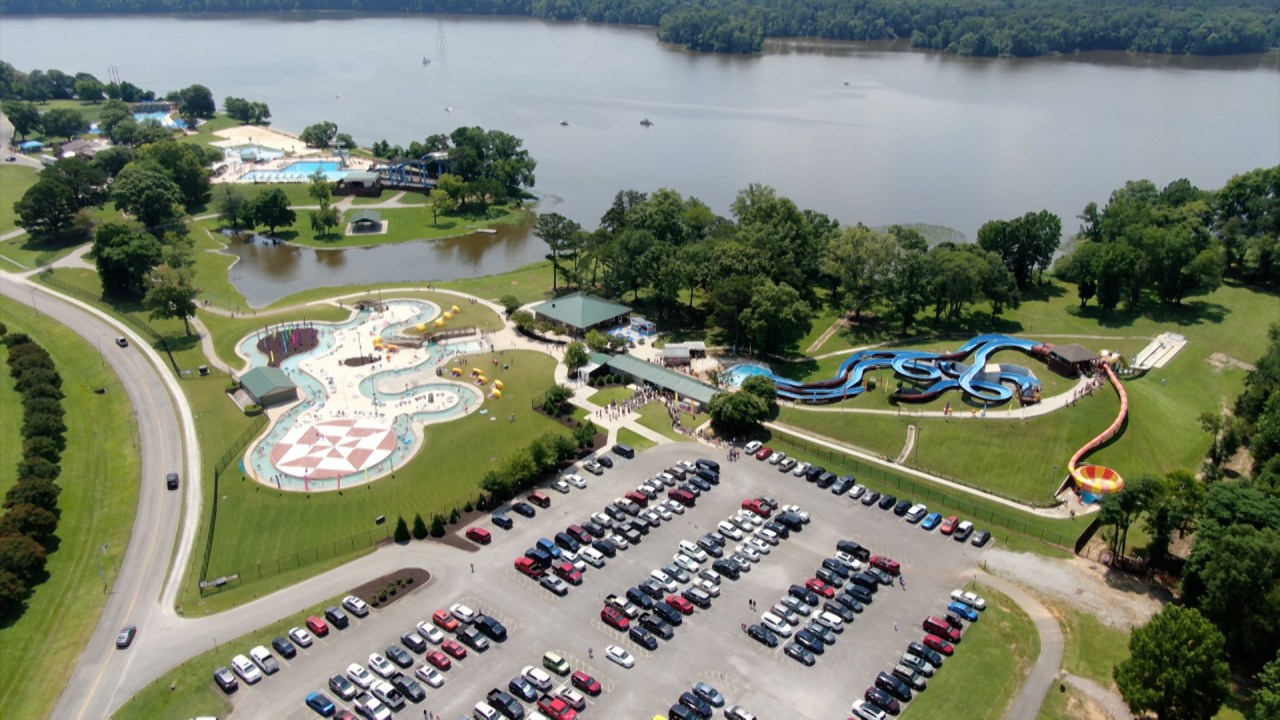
point(401, 225)
point(15, 180)
point(212, 267)
point(988, 667)
point(604, 396)
point(99, 496)
point(10, 423)
point(407, 198)
point(654, 416)
point(204, 132)
point(634, 439)
point(257, 524)
point(193, 692)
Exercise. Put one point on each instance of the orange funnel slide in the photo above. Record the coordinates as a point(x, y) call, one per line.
point(1097, 479)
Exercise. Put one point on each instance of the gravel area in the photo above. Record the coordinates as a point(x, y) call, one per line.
point(1115, 598)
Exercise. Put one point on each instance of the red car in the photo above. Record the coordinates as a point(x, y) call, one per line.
point(933, 642)
point(556, 709)
point(566, 572)
point(445, 620)
point(949, 525)
point(614, 618)
point(764, 453)
point(820, 587)
point(680, 603)
point(756, 507)
point(317, 626)
point(480, 535)
point(888, 565)
point(586, 683)
point(439, 659)
point(453, 648)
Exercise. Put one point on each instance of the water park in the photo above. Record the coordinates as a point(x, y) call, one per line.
point(348, 402)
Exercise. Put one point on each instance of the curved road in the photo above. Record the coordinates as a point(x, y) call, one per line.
point(140, 595)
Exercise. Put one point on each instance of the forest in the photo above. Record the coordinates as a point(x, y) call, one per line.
point(988, 28)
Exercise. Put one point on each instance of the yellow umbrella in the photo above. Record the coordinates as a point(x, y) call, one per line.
point(455, 310)
point(439, 323)
point(498, 384)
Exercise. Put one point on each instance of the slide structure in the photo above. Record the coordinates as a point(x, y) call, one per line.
point(942, 372)
point(1097, 479)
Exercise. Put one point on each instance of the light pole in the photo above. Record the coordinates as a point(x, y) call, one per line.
point(102, 571)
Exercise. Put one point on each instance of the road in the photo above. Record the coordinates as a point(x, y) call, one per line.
point(164, 427)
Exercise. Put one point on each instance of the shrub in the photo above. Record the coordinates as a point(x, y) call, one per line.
point(510, 303)
point(232, 387)
point(454, 516)
point(437, 525)
point(468, 507)
point(253, 410)
point(419, 527)
point(401, 534)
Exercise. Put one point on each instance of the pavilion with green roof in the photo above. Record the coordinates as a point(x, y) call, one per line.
point(269, 386)
point(580, 312)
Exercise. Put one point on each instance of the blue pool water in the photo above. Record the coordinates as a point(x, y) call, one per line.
point(298, 172)
point(161, 117)
point(739, 373)
point(309, 167)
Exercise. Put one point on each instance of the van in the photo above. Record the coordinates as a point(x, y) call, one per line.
point(566, 541)
point(639, 498)
point(539, 498)
point(555, 663)
point(548, 547)
point(483, 711)
point(591, 556)
point(684, 497)
point(625, 451)
point(939, 627)
point(710, 476)
point(709, 464)
point(677, 472)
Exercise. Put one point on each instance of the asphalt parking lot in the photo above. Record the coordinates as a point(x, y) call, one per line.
point(708, 646)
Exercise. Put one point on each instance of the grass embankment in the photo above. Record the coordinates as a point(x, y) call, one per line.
point(22, 252)
point(99, 496)
point(638, 442)
point(654, 416)
point(189, 691)
point(604, 396)
point(1016, 458)
point(402, 225)
point(988, 667)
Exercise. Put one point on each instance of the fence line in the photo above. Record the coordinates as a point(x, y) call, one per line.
point(237, 447)
point(285, 563)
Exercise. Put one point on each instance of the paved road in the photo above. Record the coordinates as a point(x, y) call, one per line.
point(1026, 704)
point(95, 685)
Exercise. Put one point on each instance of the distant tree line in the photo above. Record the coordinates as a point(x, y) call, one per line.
point(979, 27)
point(31, 505)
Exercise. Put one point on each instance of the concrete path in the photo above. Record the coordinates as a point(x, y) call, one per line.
point(1044, 673)
point(1109, 700)
point(907, 446)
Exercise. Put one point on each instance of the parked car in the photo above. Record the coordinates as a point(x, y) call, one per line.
point(963, 531)
point(336, 617)
point(246, 669)
point(762, 635)
point(585, 683)
point(970, 599)
point(429, 675)
point(285, 648)
point(321, 703)
point(479, 535)
point(342, 687)
point(931, 521)
point(620, 656)
point(981, 538)
point(265, 660)
point(523, 508)
point(357, 606)
point(226, 680)
point(301, 637)
point(799, 654)
point(936, 643)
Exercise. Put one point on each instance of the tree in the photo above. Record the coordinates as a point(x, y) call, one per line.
point(1172, 507)
point(25, 116)
point(124, 256)
point(575, 356)
point(401, 534)
point(437, 526)
point(196, 101)
point(777, 318)
point(184, 163)
point(33, 491)
point(737, 412)
point(441, 202)
point(345, 141)
point(859, 261)
point(320, 189)
point(145, 191)
point(419, 531)
point(22, 556)
point(170, 294)
point(1024, 244)
point(46, 209)
point(1267, 698)
point(30, 520)
point(90, 90)
point(557, 231)
point(85, 180)
point(763, 388)
point(324, 220)
point(908, 290)
point(1123, 508)
point(13, 594)
point(231, 203)
point(64, 122)
point(271, 208)
point(585, 434)
point(510, 303)
point(320, 135)
point(1176, 667)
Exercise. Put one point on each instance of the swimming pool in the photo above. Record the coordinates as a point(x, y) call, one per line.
point(161, 117)
point(737, 374)
point(298, 172)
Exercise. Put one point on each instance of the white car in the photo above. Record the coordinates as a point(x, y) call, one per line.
point(686, 562)
point(667, 582)
point(916, 513)
point(619, 541)
point(359, 675)
point(737, 712)
point(381, 665)
point(667, 479)
point(759, 545)
point(751, 519)
point(430, 633)
point(620, 656)
point(748, 552)
point(573, 559)
point(592, 557)
point(430, 676)
point(662, 511)
point(602, 520)
point(358, 607)
point(560, 486)
point(265, 660)
point(800, 469)
point(831, 621)
point(300, 637)
point(245, 668)
point(753, 446)
point(857, 491)
point(673, 506)
point(776, 624)
point(573, 697)
point(974, 601)
point(693, 551)
point(866, 711)
point(708, 587)
point(777, 457)
point(576, 480)
point(709, 575)
point(850, 561)
point(688, 465)
point(729, 530)
point(652, 517)
point(465, 615)
point(537, 677)
point(768, 536)
point(371, 707)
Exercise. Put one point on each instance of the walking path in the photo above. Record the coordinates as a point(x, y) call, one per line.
point(906, 447)
point(1043, 674)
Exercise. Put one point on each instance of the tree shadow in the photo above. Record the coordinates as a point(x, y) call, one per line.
point(1194, 312)
point(1043, 292)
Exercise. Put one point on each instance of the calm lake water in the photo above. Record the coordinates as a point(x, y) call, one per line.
point(863, 132)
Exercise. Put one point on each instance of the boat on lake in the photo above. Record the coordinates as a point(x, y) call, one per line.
point(646, 122)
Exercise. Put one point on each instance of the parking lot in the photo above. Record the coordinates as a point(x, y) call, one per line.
point(708, 646)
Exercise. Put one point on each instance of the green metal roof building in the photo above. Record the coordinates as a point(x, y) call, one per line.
point(640, 371)
point(580, 312)
point(269, 386)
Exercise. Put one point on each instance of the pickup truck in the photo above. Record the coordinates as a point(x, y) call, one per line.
point(627, 607)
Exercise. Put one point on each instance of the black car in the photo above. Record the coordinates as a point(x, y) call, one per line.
point(652, 589)
point(825, 480)
point(839, 610)
point(882, 700)
point(842, 485)
point(711, 548)
point(655, 625)
point(226, 680)
point(803, 593)
point(700, 483)
point(680, 712)
point(778, 529)
point(505, 704)
point(631, 535)
point(727, 568)
point(171, 480)
point(524, 508)
point(696, 704)
point(643, 638)
point(606, 461)
point(881, 576)
point(336, 617)
point(399, 656)
point(762, 635)
point(854, 549)
point(639, 526)
point(593, 528)
point(825, 634)
point(953, 620)
point(849, 601)
point(408, 687)
point(828, 577)
point(814, 472)
point(981, 538)
point(811, 642)
point(710, 476)
point(692, 489)
point(888, 501)
point(870, 498)
point(836, 567)
point(668, 613)
point(709, 464)
point(414, 642)
point(614, 512)
point(893, 686)
point(799, 654)
point(902, 507)
point(865, 582)
point(858, 593)
point(523, 689)
point(605, 548)
point(342, 687)
point(502, 521)
point(567, 542)
point(490, 626)
point(471, 636)
point(931, 656)
point(641, 598)
point(714, 539)
point(792, 521)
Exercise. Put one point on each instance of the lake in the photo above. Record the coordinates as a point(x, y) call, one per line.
point(872, 133)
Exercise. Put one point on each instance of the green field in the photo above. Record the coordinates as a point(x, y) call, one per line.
point(637, 441)
point(654, 416)
point(99, 496)
point(401, 224)
point(988, 667)
point(604, 396)
point(15, 180)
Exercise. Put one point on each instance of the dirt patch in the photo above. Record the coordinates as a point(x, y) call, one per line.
point(1115, 598)
point(1102, 702)
point(1084, 708)
point(382, 591)
point(1221, 362)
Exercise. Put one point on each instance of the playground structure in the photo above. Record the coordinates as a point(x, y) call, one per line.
point(281, 341)
point(411, 174)
point(1096, 480)
point(943, 372)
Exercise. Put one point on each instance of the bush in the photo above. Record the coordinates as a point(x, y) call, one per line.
point(401, 534)
point(419, 527)
point(232, 387)
point(468, 507)
point(253, 410)
point(454, 516)
point(510, 303)
point(437, 525)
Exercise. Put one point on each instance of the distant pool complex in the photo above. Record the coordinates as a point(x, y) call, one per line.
point(298, 172)
point(739, 373)
point(163, 118)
